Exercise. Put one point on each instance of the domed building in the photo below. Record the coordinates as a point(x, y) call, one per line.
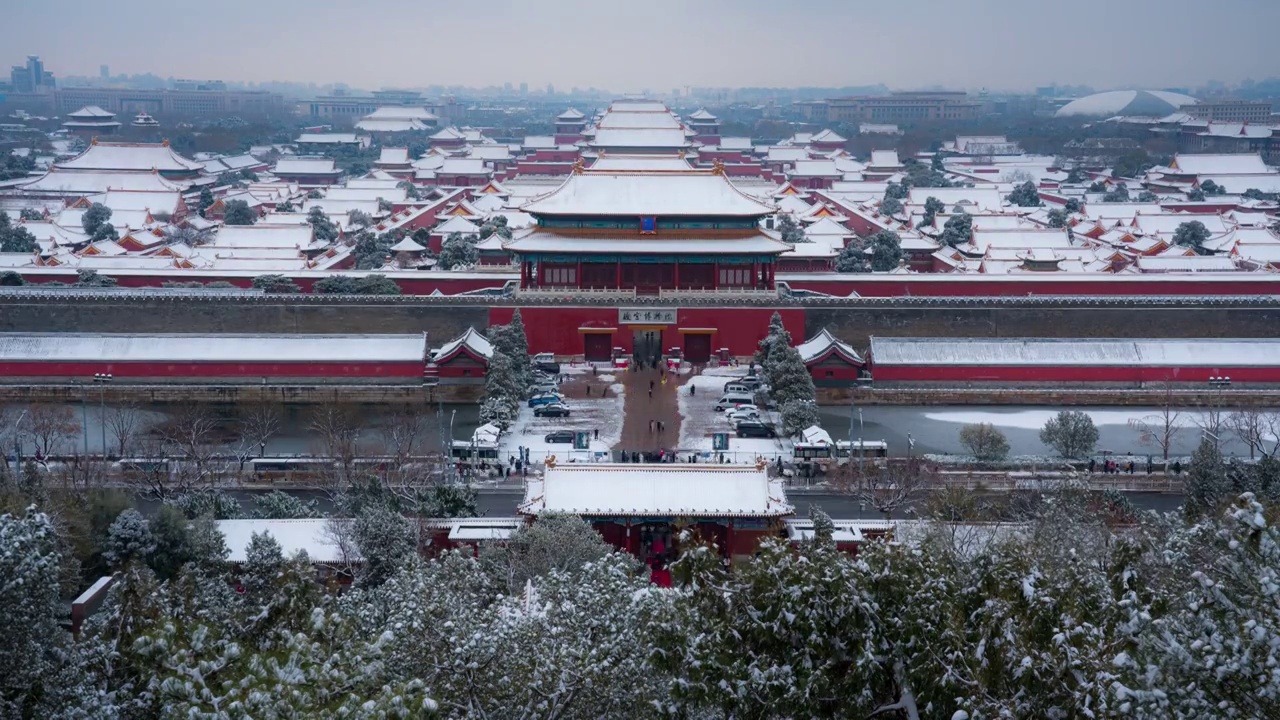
point(1153, 103)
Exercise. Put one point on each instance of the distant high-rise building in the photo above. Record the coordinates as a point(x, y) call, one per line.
point(551, 89)
point(507, 87)
point(31, 77)
point(524, 88)
point(104, 72)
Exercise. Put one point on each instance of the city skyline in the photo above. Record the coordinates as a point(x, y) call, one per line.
point(633, 47)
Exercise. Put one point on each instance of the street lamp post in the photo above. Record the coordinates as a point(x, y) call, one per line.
point(17, 444)
point(101, 379)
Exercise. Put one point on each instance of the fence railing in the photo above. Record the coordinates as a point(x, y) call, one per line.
point(689, 293)
point(1024, 480)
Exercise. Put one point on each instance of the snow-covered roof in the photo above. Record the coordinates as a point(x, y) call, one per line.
point(647, 163)
point(1187, 263)
point(638, 120)
point(639, 106)
point(456, 224)
point(571, 114)
point(1154, 103)
point(314, 536)
point(394, 156)
point(971, 199)
point(884, 159)
point(666, 138)
point(828, 136)
point(702, 114)
point(401, 112)
point(542, 240)
point(407, 244)
point(91, 111)
point(1224, 164)
point(470, 340)
point(391, 125)
point(1005, 352)
point(175, 347)
point(305, 166)
point(608, 489)
point(816, 168)
point(820, 345)
point(638, 194)
point(130, 156)
point(330, 139)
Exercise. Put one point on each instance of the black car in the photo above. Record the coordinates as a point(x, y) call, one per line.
point(550, 368)
point(559, 436)
point(755, 428)
point(551, 410)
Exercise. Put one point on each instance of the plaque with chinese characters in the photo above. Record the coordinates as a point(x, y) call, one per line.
point(646, 316)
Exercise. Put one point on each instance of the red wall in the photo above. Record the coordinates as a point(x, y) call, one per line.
point(214, 369)
point(555, 329)
point(971, 373)
point(951, 285)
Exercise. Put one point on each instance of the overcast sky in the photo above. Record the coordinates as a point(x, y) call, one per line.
point(634, 45)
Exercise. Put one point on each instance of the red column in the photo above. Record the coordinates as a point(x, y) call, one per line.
point(755, 274)
point(715, 275)
point(677, 282)
point(579, 275)
point(618, 272)
point(728, 541)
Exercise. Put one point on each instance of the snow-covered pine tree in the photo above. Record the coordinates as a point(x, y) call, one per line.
point(128, 539)
point(263, 562)
point(777, 333)
point(789, 379)
point(385, 540)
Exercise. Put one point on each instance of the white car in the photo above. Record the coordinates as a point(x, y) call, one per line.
point(744, 407)
point(740, 415)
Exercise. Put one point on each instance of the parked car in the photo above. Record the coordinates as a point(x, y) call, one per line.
point(744, 415)
point(546, 399)
point(736, 408)
point(746, 384)
point(755, 428)
point(543, 388)
point(554, 409)
point(546, 362)
point(733, 399)
point(559, 436)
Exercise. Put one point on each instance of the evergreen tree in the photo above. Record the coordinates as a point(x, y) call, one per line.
point(359, 219)
point(18, 239)
point(891, 207)
point(853, 258)
point(9, 278)
point(1072, 206)
point(1192, 234)
point(275, 284)
point(512, 340)
point(958, 229)
point(129, 539)
point(173, 546)
point(376, 284)
point(458, 252)
point(1070, 432)
point(322, 227)
point(790, 230)
point(335, 285)
point(886, 251)
point(239, 213)
point(282, 505)
point(263, 563)
point(776, 334)
point(984, 441)
point(503, 391)
point(1057, 218)
point(798, 415)
point(1025, 195)
point(932, 206)
point(789, 379)
point(1119, 195)
point(1146, 196)
point(38, 673)
point(385, 541)
point(823, 527)
point(206, 199)
point(217, 504)
point(94, 218)
point(1207, 485)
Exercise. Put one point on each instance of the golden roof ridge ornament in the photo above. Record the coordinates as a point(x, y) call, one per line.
point(578, 167)
point(717, 166)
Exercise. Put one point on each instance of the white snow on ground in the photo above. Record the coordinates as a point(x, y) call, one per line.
point(586, 414)
point(699, 419)
point(1035, 419)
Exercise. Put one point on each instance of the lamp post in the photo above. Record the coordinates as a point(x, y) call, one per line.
point(17, 444)
point(101, 380)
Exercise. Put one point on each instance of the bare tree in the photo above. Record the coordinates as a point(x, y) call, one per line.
point(1259, 429)
point(887, 487)
point(51, 427)
point(337, 428)
point(1160, 428)
point(1212, 419)
point(257, 424)
point(191, 437)
point(126, 422)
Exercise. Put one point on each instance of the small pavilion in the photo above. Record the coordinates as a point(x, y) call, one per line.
point(641, 508)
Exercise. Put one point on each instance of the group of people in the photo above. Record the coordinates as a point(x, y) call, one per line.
point(1115, 467)
point(657, 456)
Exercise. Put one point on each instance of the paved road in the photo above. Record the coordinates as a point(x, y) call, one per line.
point(644, 405)
point(502, 502)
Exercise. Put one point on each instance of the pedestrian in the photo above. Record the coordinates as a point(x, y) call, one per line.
point(651, 422)
point(1130, 467)
point(605, 393)
point(588, 390)
point(651, 391)
point(1092, 464)
point(650, 386)
point(693, 389)
point(594, 370)
point(597, 433)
